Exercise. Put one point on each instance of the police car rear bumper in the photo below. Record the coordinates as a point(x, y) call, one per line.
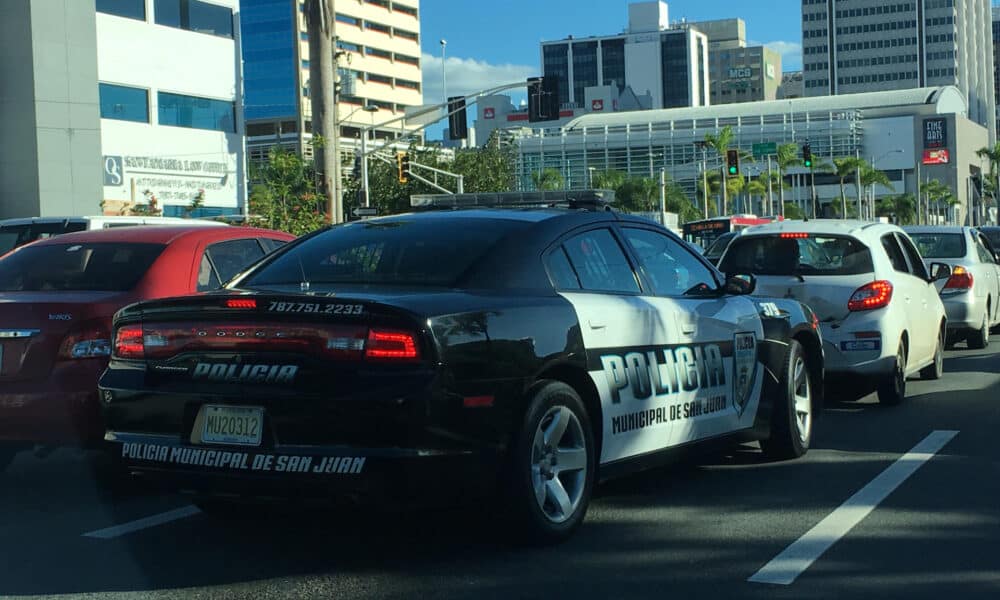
point(311, 473)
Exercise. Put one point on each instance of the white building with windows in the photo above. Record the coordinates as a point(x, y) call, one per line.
point(114, 102)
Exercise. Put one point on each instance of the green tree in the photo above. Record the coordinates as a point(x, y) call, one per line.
point(787, 157)
point(284, 197)
point(486, 169)
point(792, 211)
point(847, 168)
point(870, 176)
point(901, 209)
point(720, 143)
point(386, 192)
point(757, 187)
point(993, 155)
point(608, 180)
point(547, 179)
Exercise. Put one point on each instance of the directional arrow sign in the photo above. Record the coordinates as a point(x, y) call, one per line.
point(366, 211)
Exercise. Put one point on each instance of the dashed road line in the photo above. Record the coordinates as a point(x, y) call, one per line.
point(144, 523)
point(796, 558)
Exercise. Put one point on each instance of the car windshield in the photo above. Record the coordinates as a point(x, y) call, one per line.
point(77, 267)
point(12, 236)
point(412, 251)
point(812, 255)
point(940, 245)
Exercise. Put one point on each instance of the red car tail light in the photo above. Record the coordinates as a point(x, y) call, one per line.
point(129, 342)
point(391, 345)
point(93, 342)
point(961, 279)
point(871, 296)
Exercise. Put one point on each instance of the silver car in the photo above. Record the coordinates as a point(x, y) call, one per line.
point(972, 294)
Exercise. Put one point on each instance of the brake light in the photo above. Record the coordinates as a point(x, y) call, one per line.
point(246, 303)
point(871, 296)
point(129, 342)
point(391, 345)
point(961, 279)
point(88, 343)
point(795, 235)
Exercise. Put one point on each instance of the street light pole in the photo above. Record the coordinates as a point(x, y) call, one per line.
point(444, 73)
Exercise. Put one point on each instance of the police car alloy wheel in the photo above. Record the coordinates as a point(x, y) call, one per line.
point(552, 467)
point(893, 389)
point(791, 425)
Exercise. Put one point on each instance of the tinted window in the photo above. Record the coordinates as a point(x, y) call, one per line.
point(133, 9)
point(940, 245)
point(12, 236)
point(561, 273)
point(195, 15)
point(197, 113)
point(124, 103)
point(916, 262)
point(77, 267)
point(983, 247)
point(993, 235)
point(719, 245)
point(670, 268)
point(233, 256)
point(600, 263)
point(414, 251)
point(814, 255)
point(895, 254)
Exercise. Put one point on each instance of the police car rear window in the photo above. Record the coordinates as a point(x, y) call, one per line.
point(811, 255)
point(418, 251)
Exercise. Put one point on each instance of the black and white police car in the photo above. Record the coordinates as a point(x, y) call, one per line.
point(520, 352)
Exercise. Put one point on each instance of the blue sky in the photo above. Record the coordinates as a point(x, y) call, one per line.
point(496, 41)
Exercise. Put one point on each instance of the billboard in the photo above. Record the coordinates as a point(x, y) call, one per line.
point(935, 133)
point(936, 157)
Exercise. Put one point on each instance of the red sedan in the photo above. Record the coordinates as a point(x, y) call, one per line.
point(57, 298)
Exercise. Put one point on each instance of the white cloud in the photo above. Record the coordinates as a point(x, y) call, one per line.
point(791, 54)
point(468, 75)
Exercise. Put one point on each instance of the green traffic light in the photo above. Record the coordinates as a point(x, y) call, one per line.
point(809, 164)
point(732, 170)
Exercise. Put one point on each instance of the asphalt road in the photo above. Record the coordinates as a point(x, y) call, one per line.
point(687, 531)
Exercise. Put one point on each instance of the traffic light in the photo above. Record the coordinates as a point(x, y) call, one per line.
point(807, 156)
point(733, 162)
point(356, 171)
point(458, 128)
point(403, 166)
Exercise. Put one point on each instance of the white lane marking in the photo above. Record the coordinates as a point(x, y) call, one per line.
point(144, 523)
point(796, 558)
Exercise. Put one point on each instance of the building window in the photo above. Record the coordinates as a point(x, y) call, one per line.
point(130, 9)
point(409, 35)
point(197, 113)
point(123, 103)
point(348, 20)
point(378, 27)
point(404, 83)
point(411, 60)
point(409, 10)
point(348, 46)
point(383, 3)
point(373, 78)
point(378, 53)
point(195, 15)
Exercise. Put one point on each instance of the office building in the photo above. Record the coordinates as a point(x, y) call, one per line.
point(109, 112)
point(736, 72)
point(792, 86)
point(919, 134)
point(670, 66)
point(380, 67)
point(852, 46)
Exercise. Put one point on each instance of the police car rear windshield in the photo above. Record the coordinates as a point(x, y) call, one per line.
point(940, 245)
point(411, 251)
point(812, 255)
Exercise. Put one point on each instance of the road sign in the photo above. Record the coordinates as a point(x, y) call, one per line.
point(366, 211)
point(762, 150)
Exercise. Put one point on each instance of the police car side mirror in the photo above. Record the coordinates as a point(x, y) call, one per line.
point(940, 271)
point(740, 285)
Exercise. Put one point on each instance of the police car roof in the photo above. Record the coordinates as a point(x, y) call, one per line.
point(531, 215)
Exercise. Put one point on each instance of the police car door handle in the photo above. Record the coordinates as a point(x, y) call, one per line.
point(595, 324)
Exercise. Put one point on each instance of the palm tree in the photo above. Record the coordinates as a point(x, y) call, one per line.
point(902, 208)
point(547, 179)
point(993, 155)
point(872, 176)
point(638, 194)
point(757, 187)
point(787, 156)
point(720, 143)
point(846, 167)
point(608, 180)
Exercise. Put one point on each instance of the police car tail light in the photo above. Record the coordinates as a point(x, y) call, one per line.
point(244, 303)
point(90, 342)
point(129, 342)
point(390, 345)
point(871, 296)
point(961, 279)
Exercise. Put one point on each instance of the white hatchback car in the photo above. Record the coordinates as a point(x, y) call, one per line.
point(880, 313)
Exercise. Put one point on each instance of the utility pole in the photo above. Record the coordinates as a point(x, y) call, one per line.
point(857, 175)
point(321, 24)
point(812, 187)
point(663, 197)
point(770, 191)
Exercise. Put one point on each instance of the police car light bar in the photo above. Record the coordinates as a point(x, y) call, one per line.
point(582, 199)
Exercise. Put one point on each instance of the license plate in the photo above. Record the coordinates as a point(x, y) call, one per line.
point(861, 346)
point(239, 425)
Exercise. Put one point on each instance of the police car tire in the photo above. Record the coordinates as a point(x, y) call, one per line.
point(785, 442)
point(530, 524)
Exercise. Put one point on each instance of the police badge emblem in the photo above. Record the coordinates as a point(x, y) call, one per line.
point(744, 369)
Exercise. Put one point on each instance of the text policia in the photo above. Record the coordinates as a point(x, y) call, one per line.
point(244, 461)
